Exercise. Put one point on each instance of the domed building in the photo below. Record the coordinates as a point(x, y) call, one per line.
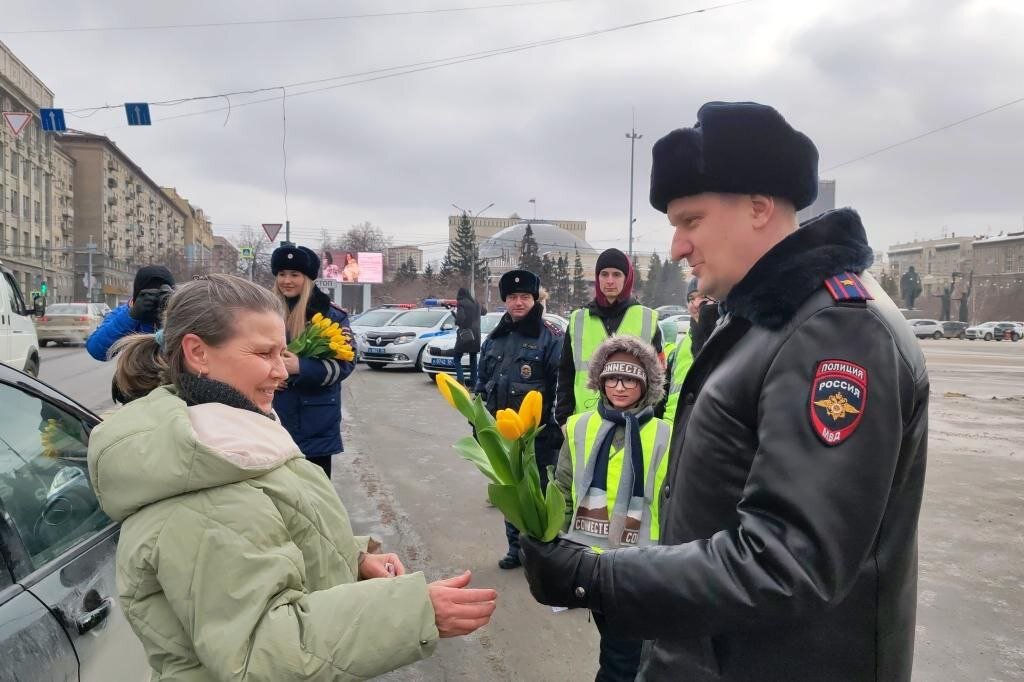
point(503, 248)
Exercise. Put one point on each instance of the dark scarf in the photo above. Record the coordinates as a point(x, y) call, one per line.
point(611, 310)
point(197, 390)
point(770, 294)
point(632, 422)
point(528, 326)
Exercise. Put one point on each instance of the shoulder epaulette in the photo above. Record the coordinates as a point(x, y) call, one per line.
point(339, 308)
point(846, 287)
point(553, 328)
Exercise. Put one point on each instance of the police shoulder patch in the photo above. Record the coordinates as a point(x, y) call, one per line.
point(553, 328)
point(846, 287)
point(839, 396)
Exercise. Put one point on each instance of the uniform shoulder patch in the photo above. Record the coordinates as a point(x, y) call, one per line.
point(335, 306)
point(839, 396)
point(847, 287)
point(553, 328)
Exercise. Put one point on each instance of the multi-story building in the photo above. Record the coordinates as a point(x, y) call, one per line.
point(225, 256)
point(32, 241)
point(122, 219)
point(198, 231)
point(934, 260)
point(999, 255)
point(826, 201)
point(397, 255)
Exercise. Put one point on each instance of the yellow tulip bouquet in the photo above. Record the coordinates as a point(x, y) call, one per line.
point(503, 451)
point(324, 340)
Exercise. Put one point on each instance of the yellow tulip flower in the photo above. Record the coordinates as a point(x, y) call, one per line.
point(317, 318)
point(445, 384)
point(324, 323)
point(529, 411)
point(509, 424)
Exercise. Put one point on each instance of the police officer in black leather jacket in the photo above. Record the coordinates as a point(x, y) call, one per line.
point(789, 512)
point(521, 355)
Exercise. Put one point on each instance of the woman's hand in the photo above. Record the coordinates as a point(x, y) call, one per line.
point(457, 610)
point(291, 362)
point(379, 566)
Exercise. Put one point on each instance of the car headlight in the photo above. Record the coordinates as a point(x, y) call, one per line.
point(406, 339)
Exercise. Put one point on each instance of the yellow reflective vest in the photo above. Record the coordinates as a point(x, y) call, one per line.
point(587, 332)
point(678, 365)
point(584, 432)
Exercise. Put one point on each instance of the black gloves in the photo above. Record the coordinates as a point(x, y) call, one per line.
point(150, 304)
point(561, 573)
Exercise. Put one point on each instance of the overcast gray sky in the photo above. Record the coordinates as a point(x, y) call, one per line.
point(547, 123)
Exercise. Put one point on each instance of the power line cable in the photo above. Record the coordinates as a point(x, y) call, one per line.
point(263, 22)
point(395, 71)
point(933, 131)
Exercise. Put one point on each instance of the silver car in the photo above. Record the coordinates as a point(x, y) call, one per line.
point(59, 616)
point(402, 341)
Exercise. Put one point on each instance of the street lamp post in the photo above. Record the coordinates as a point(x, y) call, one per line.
point(472, 265)
point(633, 137)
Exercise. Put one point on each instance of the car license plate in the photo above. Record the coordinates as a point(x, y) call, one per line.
point(374, 351)
point(444, 362)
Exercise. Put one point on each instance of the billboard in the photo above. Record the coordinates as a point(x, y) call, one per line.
point(350, 267)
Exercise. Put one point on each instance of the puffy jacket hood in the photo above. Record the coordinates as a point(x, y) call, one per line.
point(645, 355)
point(158, 447)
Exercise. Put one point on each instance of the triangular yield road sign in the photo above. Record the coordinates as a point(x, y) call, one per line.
point(17, 121)
point(271, 230)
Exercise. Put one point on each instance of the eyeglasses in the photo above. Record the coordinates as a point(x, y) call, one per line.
point(627, 382)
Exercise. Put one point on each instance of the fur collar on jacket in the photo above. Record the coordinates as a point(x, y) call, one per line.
point(530, 325)
point(796, 267)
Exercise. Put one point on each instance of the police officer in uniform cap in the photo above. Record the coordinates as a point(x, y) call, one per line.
point(789, 511)
point(521, 355)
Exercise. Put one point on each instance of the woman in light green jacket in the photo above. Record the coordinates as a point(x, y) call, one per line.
point(236, 559)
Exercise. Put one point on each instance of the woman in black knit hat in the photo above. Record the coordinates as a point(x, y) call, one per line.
point(309, 405)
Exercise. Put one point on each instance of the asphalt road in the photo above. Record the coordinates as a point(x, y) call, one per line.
point(402, 482)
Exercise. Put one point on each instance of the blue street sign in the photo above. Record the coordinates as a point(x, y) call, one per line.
point(52, 120)
point(138, 113)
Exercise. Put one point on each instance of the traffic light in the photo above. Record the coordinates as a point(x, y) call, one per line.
point(42, 288)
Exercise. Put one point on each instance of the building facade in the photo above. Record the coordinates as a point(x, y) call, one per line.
point(826, 201)
point(198, 231)
point(122, 219)
point(224, 256)
point(397, 255)
point(33, 243)
point(999, 255)
point(485, 228)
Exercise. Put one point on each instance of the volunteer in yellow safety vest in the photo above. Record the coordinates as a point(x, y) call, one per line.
point(611, 467)
point(613, 311)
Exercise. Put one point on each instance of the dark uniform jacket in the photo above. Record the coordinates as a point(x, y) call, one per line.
point(789, 512)
point(310, 406)
point(467, 316)
point(519, 357)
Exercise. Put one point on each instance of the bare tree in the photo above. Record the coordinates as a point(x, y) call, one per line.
point(258, 269)
point(365, 237)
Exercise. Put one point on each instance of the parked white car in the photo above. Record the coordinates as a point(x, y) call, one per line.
point(19, 345)
point(925, 329)
point(402, 342)
point(372, 319)
point(985, 330)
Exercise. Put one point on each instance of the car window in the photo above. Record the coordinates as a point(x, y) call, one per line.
point(419, 318)
point(68, 309)
point(44, 478)
point(12, 294)
point(488, 323)
point(375, 318)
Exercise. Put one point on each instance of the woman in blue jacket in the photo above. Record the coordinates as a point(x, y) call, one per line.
point(309, 404)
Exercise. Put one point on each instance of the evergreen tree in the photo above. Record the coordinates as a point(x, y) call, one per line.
point(672, 288)
point(447, 269)
point(406, 271)
point(563, 285)
point(529, 253)
point(462, 252)
point(580, 294)
point(547, 272)
point(653, 282)
point(428, 275)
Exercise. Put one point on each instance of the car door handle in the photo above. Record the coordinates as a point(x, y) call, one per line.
point(87, 621)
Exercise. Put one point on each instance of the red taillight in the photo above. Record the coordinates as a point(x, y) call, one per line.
point(44, 319)
point(83, 319)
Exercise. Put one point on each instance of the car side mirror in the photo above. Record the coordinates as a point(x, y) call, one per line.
point(447, 327)
point(38, 306)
